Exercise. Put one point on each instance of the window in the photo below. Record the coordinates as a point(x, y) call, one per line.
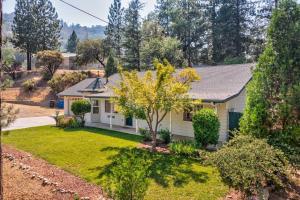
point(188, 113)
point(96, 103)
point(95, 110)
point(107, 106)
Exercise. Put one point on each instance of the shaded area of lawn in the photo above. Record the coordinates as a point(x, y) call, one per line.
point(89, 152)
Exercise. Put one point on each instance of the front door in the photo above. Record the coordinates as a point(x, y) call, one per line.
point(95, 115)
point(234, 121)
point(129, 121)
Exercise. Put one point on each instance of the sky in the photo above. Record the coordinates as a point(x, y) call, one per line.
point(99, 8)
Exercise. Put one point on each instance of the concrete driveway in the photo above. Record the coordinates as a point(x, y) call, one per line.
point(29, 122)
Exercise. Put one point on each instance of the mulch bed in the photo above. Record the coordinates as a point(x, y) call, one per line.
point(59, 181)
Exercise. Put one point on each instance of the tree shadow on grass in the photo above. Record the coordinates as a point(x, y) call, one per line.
point(164, 169)
point(111, 133)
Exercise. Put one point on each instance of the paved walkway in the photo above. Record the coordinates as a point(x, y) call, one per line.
point(29, 122)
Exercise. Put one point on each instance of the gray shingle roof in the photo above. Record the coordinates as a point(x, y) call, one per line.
point(218, 83)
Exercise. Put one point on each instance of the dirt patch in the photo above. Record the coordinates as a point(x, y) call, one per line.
point(34, 111)
point(40, 96)
point(27, 177)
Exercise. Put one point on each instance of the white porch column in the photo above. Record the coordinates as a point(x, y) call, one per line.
point(136, 126)
point(110, 118)
point(171, 124)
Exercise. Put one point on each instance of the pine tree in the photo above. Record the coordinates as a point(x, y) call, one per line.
point(164, 9)
point(23, 28)
point(188, 27)
point(132, 35)
point(273, 94)
point(36, 27)
point(110, 67)
point(232, 23)
point(72, 42)
point(113, 30)
point(48, 26)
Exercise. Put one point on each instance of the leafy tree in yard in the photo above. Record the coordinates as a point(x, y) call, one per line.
point(127, 178)
point(113, 30)
point(152, 96)
point(80, 108)
point(72, 42)
point(50, 61)
point(206, 127)
point(132, 35)
point(90, 51)
point(36, 27)
point(249, 165)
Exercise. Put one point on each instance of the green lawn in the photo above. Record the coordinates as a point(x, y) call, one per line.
point(87, 152)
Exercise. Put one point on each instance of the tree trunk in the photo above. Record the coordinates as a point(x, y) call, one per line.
point(1, 161)
point(154, 141)
point(28, 61)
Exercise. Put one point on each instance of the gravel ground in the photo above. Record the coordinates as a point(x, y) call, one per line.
point(27, 177)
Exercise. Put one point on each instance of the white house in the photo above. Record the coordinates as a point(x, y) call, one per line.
point(221, 88)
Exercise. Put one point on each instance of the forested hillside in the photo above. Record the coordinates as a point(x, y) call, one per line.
point(82, 32)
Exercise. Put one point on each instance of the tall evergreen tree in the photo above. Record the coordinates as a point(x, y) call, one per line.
point(23, 28)
point(232, 23)
point(132, 35)
point(113, 30)
point(72, 42)
point(165, 9)
point(273, 94)
point(48, 26)
point(189, 28)
point(36, 27)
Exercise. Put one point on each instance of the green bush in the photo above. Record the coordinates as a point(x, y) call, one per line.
point(288, 142)
point(165, 135)
point(249, 164)
point(146, 135)
point(80, 108)
point(206, 127)
point(127, 179)
point(29, 85)
point(184, 148)
point(234, 60)
point(67, 122)
point(60, 82)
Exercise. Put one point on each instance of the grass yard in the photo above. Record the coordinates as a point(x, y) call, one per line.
point(87, 152)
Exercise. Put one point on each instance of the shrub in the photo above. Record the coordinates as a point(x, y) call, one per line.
point(128, 176)
point(146, 135)
point(249, 164)
point(234, 60)
point(288, 142)
point(184, 148)
point(206, 127)
point(165, 135)
point(67, 122)
point(60, 82)
point(56, 117)
point(29, 85)
point(80, 108)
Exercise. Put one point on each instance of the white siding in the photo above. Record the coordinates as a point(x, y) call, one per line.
point(238, 103)
point(223, 118)
point(179, 126)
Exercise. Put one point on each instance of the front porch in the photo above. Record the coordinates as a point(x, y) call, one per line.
point(113, 127)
